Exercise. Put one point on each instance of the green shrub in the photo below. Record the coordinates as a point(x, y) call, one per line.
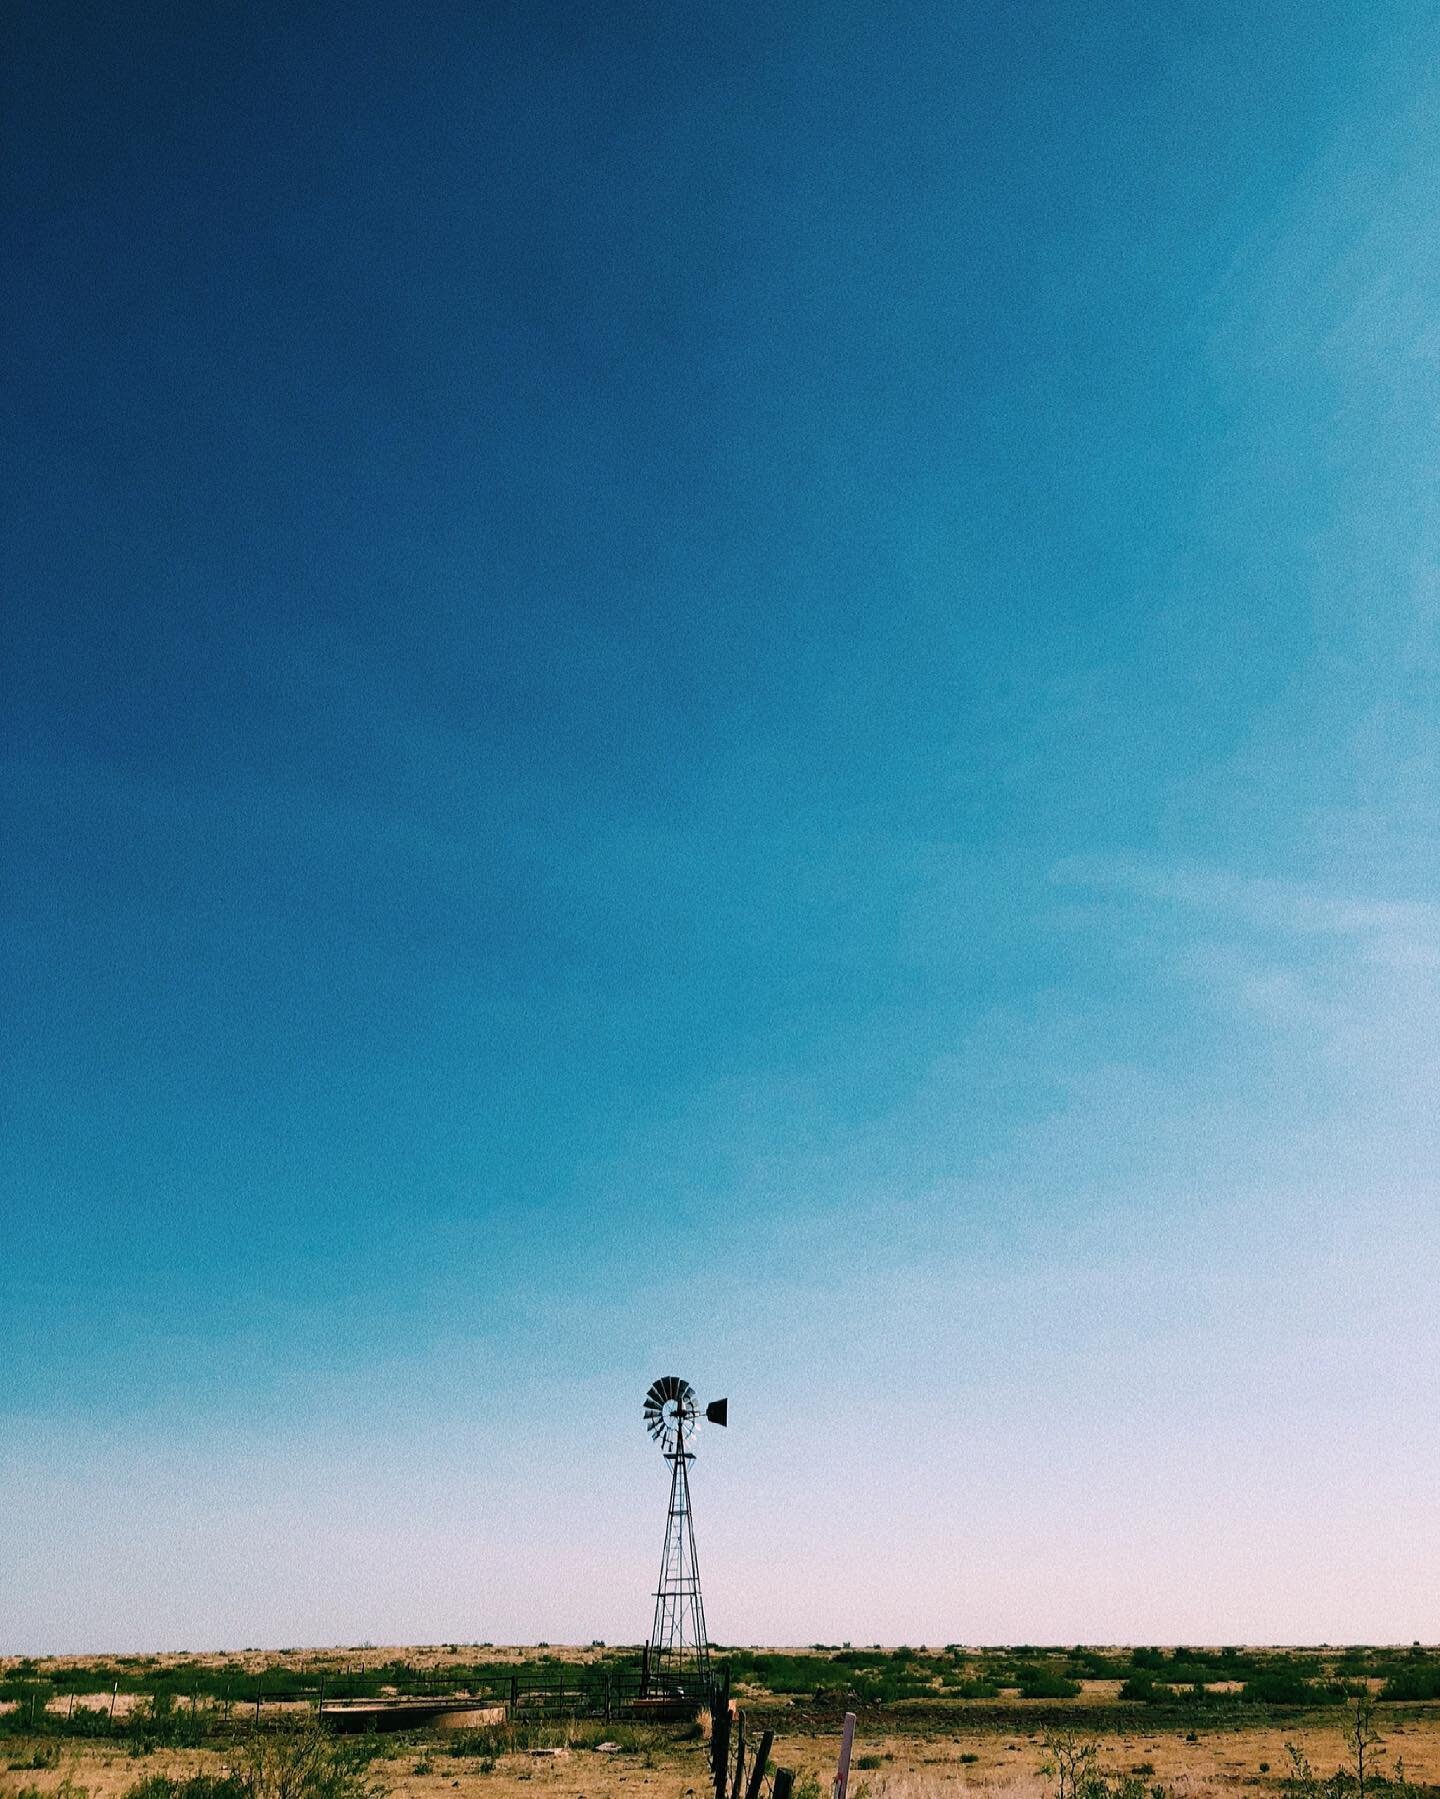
point(1145, 1689)
point(1281, 1686)
point(198, 1786)
point(471, 1742)
point(67, 1789)
point(303, 1763)
point(43, 1755)
point(1040, 1683)
point(1412, 1683)
point(155, 1721)
point(30, 1697)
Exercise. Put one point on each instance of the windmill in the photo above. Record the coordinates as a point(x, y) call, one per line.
point(679, 1652)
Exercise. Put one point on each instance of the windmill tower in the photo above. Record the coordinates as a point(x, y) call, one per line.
point(679, 1653)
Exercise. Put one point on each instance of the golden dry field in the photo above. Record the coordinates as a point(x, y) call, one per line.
point(950, 1749)
point(914, 1765)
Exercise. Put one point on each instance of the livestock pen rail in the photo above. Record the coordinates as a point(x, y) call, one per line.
point(390, 1696)
point(609, 1693)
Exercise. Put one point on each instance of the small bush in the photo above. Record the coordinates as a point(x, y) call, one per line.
point(67, 1789)
point(298, 1764)
point(1039, 1683)
point(43, 1755)
point(473, 1742)
point(1412, 1683)
point(1145, 1689)
point(156, 1722)
point(1069, 1762)
point(198, 1786)
point(1279, 1686)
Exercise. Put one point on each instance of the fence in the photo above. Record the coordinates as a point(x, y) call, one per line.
point(390, 1698)
point(737, 1776)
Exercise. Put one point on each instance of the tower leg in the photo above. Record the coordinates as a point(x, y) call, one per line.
point(679, 1656)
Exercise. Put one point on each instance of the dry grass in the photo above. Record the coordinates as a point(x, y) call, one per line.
point(965, 1783)
point(1214, 1766)
point(916, 1766)
point(427, 1656)
point(918, 1760)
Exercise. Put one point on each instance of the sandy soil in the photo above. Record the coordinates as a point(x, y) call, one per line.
point(912, 1766)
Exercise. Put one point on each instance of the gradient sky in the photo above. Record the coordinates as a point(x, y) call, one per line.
point(739, 689)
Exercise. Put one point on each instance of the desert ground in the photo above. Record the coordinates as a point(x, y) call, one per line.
point(906, 1749)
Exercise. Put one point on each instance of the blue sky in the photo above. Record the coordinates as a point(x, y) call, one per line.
point(746, 690)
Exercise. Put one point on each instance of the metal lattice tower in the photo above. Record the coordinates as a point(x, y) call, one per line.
point(679, 1655)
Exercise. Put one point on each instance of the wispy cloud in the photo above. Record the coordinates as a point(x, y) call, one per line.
point(1402, 932)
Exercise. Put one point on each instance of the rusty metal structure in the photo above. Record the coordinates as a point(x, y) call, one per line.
point(677, 1661)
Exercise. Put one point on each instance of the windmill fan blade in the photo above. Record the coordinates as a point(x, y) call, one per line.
point(669, 1409)
point(718, 1411)
point(660, 1391)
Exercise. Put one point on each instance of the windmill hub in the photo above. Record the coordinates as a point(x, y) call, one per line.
point(679, 1653)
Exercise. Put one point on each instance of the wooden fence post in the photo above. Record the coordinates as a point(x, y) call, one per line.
point(847, 1742)
point(757, 1773)
point(720, 1749)
point(784, 1780)
point(739, 1756)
